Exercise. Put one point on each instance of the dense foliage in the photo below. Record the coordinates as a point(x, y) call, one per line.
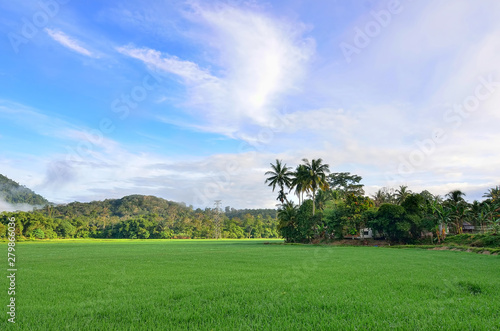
point(348, 215)
point(141, 217)
point(240, 213)
point(298, 224)
point(397, 215)
point(13, 193)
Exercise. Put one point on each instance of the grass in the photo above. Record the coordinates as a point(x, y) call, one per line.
point(246, 285)
point(478, 240)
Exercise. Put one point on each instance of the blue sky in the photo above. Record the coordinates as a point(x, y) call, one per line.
point(191, 100)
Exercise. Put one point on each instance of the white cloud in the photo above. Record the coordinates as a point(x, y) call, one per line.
point(237, 179)
point(264, 56)
point(396, 91)
point(257, 60)
point(364, 117)
point(89, 136)
point(189, 71)
point(68, 42)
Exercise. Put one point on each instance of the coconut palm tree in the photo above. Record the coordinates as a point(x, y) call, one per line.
point(474, 216)
point(493, 193)
point(489, 212)
point(402, 193)
point(281, 197)
point(382, 196)
point(378, 198)
point(280, 176)
point(300, 181)
point(322, 197)
point(455, 196)
point(316, 177)
point(459, 208)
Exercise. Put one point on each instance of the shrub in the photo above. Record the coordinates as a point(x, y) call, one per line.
point(38, 234)
point(166, 234)
point(50, 234)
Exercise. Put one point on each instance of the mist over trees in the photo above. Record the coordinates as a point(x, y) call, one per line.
point(16, 195)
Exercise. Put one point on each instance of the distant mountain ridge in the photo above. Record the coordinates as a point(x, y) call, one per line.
point(14, 193)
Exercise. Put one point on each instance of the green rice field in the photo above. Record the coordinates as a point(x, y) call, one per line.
point(248, 285)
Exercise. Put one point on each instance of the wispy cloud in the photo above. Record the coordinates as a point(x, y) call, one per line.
point(189, 71)
point(232, 67)
point(258, 60)
point(68, 42)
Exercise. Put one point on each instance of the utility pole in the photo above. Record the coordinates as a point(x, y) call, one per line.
point(217, 219)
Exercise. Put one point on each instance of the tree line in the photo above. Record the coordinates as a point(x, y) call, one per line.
point(336, 206)
point(139, 217)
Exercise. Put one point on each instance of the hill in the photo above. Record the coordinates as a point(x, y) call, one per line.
point(140, 216)
point(140, 205)
point(13, 193)
point(124, 208)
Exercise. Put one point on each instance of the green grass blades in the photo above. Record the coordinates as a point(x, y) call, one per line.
point(248, 285)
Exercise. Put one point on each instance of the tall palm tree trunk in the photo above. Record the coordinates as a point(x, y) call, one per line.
point(314, 202)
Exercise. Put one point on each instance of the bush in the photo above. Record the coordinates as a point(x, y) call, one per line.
point(166, 234)
point(65, 229)
point(142, 233)
point(50, 234)
point(38, 234)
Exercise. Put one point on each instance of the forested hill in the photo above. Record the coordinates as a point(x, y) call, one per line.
point(140, 205)
point(124, 208)
point(139, 216)
point(13, 193)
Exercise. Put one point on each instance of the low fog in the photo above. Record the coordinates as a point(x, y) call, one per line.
point(5, 206)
